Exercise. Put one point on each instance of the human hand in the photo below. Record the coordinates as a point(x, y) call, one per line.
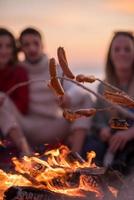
point(119, 140)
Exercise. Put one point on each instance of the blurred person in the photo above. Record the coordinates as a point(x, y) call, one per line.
point(45, 123)
point(119, 71)
point(12, 140)
point(10, 75)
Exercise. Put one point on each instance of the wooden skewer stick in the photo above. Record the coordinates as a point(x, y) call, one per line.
point(124, 111)
point(97, 95)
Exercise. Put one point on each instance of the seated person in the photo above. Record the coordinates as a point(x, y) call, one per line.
point(45, 123)
point(12, 134)
point(11, 74)
point(120, 73)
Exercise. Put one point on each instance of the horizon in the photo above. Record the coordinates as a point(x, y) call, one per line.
point(83, 27)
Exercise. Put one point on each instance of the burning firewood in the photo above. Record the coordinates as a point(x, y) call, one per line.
point(74, 156)
point(92, 171)
point(63, 63)
point(30, 193)
point(63, 174)
point(59, 171)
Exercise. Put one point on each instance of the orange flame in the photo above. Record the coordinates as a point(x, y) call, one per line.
point(33, 171)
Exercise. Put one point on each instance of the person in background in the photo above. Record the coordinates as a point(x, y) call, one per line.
point(10, 75)
point(11, 131)
point(119, 71)
point(45, 122)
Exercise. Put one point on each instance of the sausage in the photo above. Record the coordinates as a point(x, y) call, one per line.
point(90, 79)
point(63, 63)
point(73, 115)
point(52, 68)
point(80, 78)
point(83, 78)
point(119, 98)
point(56, 85)
point(70, 115)
point(86, 112)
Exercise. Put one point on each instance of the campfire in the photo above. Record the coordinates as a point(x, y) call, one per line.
point(58, 171)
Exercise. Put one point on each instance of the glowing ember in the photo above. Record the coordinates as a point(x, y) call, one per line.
point(55, 173)
point(2, 143)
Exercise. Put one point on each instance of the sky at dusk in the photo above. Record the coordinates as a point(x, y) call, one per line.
point(83, 27)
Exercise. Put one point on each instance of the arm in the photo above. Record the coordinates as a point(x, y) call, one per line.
point(81, 126)
point(21, 95)
point(120, 139)
point(77, 139)
point(19, 140)
point(101, 119)
point(10, 127)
